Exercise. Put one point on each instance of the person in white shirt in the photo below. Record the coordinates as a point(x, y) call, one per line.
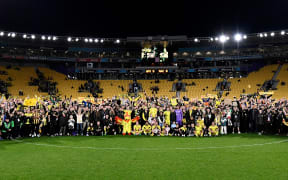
point(71, 123)
point(79, 120)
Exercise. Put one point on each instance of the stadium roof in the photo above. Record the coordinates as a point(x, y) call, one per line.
point(131, 18)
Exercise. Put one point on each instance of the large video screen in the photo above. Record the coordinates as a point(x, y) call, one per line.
point(160, 55)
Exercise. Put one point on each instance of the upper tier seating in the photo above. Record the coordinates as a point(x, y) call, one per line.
point(20, 79)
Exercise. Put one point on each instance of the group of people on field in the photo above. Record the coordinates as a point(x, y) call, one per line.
point(152, 116)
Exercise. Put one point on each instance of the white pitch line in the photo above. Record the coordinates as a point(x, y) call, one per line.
point(153, 149)
point(236, 146)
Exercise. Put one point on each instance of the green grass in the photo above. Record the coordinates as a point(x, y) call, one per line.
point(246, 156)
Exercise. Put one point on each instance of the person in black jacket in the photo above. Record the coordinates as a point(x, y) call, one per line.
point(260, 122)
point(253, 115)
point(244, 123)
point(7, 128)
point(92, 115)
point(235, 118)
point(198, 112)
point(189, 116)
point(144, 116)
point(111, 128)
point(278, 121)
point(63, 122)
point(99, 130)
point(268, 121)
point(209, 117)
point(172, 115)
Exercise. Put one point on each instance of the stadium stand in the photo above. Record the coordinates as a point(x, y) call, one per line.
point(282, 87)
point(195, 88)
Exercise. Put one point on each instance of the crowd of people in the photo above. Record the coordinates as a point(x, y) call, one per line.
point(143, 115)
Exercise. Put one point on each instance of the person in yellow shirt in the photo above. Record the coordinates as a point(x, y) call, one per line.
point(200, 121)
point(174, 102)
point(167, 116)
point(153, 111)
point(198, 130)
point(156, 129)
point(146, 129)
point(213, 129)
point(137, 129)
point(183, 130)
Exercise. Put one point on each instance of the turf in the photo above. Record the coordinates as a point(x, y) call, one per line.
point(246, 156)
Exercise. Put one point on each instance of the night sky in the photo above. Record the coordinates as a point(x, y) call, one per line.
point(142, 18)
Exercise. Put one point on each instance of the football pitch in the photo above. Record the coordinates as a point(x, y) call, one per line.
point(245, 156)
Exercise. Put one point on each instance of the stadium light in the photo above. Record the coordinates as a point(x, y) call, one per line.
point(49, 38)
point(2, 33)
point(69, 39)
point(90, 40)
point(265, 34)
point(282, 33)
point(211, 39)
point(261, 35)
point(54, 38)
point(43, 37)
point(118, 41)
point(216, 38)
point(77, 39)
point(102, 40)
point(196, 40)
point(13, 35)
point(86, 40)
point(238, 37)
point(24, 36)
point(272, 34)
point(245, 37)
point(96, 40)
point(222, 38)
point(33, 36)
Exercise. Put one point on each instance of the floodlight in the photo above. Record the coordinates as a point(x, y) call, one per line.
point(102, 40)
point(118, 41)
point(265, 34)
point(211, 39)
point(54, 38)
point(90, 40)
point(13, 35)
point(196, 40)
point(282, 33)
point(69, 39)
point(86, 40)
point(222, 38)
point(49, 38)
point(2, 33)
point(245, 37)
point(238, 37)
point(261, 35)
point(24, 36)
point(43, 37)
point(33, 36)
point(272, 34)
point(96, 40)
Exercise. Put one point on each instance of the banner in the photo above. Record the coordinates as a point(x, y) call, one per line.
point(266, 93)
point(30, 102)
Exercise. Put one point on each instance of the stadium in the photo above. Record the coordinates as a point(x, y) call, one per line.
point(143, 106)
